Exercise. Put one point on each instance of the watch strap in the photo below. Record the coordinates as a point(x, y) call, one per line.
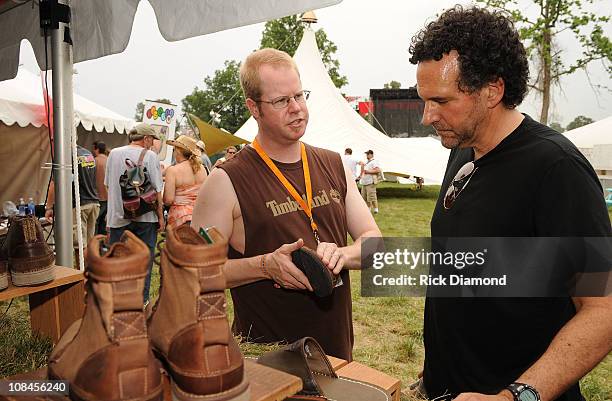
point(517, 388)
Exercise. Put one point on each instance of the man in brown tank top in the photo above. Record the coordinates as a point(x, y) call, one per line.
point(246, 201)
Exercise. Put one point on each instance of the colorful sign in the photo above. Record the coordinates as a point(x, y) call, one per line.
point(162, 117)
point(158, 114)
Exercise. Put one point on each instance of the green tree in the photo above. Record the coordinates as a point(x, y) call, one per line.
point(140, 108)
point(393, 85)
point(221, 94)
point(541, 35)
point(286, 33)
point(579, 122)
point(557, 127)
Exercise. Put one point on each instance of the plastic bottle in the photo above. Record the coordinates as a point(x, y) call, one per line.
point(22, 207)
point(31, 207)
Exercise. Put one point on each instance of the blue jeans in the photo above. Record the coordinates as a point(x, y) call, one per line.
point(147, 232)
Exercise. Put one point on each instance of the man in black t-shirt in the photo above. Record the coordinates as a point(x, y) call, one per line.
point(507, 176)
point(88, 197)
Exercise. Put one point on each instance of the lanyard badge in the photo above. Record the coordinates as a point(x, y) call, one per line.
point(306, 206)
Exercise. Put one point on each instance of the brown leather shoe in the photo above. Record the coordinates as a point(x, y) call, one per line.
point(29, 258)
point(107, 355)
point(188, 326)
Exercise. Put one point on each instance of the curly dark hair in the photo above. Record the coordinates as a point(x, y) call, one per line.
point(489, 48)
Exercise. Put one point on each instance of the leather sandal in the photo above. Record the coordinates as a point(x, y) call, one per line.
point(321, 278)
point(305, 358)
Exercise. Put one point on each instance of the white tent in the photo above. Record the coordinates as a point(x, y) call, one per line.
point(597, 133)
point(25, 150)
point(334, 125)
point(22, 102)
point(595, 142)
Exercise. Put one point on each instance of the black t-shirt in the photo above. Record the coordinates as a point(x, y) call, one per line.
point(534, 183)
point(87, 177)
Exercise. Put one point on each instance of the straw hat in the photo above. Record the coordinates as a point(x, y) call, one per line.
point(187, 143)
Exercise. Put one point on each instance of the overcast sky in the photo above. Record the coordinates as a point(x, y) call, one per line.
point(372, 39)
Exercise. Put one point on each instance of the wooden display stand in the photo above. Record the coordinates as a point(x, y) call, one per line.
point(358, 371)
point(266, 384)
point(54, 306)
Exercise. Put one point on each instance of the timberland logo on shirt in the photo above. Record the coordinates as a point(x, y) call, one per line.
point(291, 205)
point(335, 195)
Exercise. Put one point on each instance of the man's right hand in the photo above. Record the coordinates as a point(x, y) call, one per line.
point(280, 268)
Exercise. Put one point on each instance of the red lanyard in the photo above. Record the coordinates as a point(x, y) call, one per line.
point(307, 208)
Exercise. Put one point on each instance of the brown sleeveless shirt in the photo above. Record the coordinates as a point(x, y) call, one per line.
point(271, 218)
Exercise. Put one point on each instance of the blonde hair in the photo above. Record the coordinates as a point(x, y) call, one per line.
point(250, 80)
point(194, 161)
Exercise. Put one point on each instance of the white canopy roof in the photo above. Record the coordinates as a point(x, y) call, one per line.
point(100, 28)
point(334, 125)
point(597, 133)
point(22, 102)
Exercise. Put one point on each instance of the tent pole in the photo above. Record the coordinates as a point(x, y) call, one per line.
point(63, 121)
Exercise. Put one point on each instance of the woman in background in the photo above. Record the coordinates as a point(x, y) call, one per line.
point(183, 180)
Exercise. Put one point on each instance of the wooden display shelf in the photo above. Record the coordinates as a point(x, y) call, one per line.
point(358, 371)
point(55, 305)
point(336, 363)
point(266, 384)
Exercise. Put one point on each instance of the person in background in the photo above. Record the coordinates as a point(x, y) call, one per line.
point(230, 152)
point(100, 155)
point(205, 159)
point(183, 180)
point(350, 163)
point(370, 171)
point(88, 199)
point(146, 226)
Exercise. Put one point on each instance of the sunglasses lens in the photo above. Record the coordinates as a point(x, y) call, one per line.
point(449, 198)
point(464, 171)
point(458, 184)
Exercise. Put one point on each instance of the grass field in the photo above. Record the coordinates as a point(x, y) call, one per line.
point(388, 331)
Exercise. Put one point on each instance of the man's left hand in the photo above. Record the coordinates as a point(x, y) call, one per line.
point(331, 256)
point(502, 396)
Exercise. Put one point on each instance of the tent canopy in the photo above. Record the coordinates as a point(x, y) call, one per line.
point(100, 28)
point(22, 102)
point(597, 133)
point(334, 125)
point(214, 138)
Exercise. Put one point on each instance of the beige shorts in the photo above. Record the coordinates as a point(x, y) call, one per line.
point(89, 217)
point(369, 192)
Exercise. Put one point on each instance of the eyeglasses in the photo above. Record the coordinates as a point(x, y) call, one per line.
point(460, 182)
point(283, 101)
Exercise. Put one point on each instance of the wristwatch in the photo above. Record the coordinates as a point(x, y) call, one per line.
point(523, 392)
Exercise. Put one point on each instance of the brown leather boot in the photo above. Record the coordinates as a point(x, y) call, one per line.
point(29, 258)
point(188, 326)
point(107, 355)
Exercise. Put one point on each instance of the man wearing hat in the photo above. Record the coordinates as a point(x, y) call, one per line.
point(146, 226)
point(370, 173)
point(204, 158)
